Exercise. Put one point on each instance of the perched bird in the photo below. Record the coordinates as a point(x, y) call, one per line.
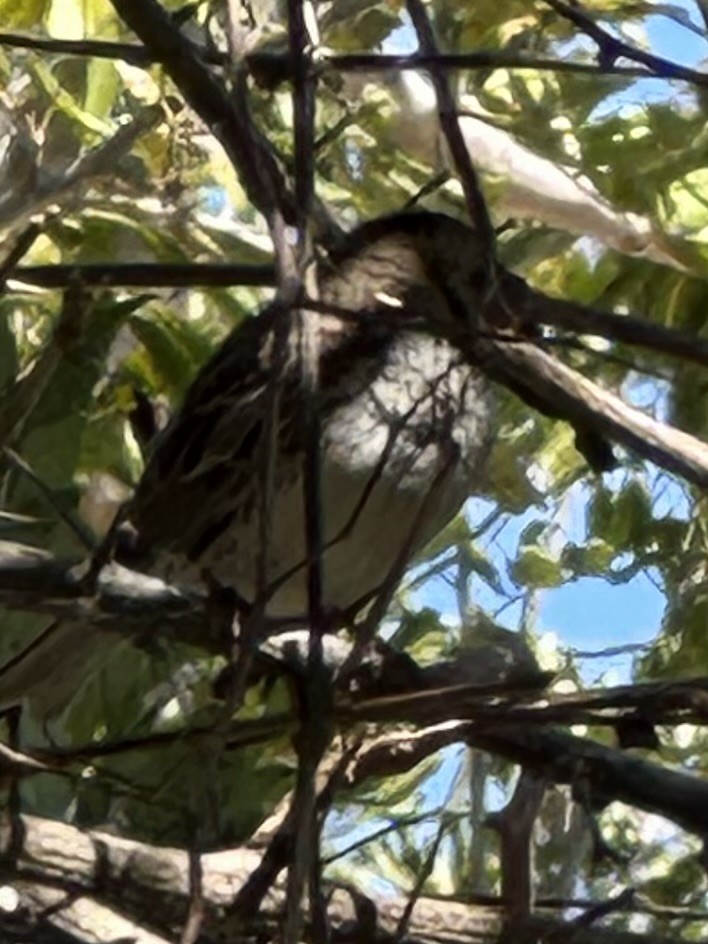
point(400, 410)
point(406, 418)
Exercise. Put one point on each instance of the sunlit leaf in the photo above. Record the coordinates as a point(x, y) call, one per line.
point(536, 567)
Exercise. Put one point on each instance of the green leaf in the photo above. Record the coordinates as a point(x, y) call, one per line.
point(533, 531)
point(176, 350)
point(22, 14)
point(481, 565)
point(508, 483)
point(622, 521)
point(590, 559)
point(536, 567)
point(632, 515)
point(102, 83)
point(53, 433)
point(421, 634)
point(9, 362)
point(455, 533)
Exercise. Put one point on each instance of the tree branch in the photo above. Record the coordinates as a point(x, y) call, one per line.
point(97, 886)
point(146, 275)
point(612, 48)
point(525, 367)
point(449, 122)
point(277, 67)
point(249, 152)
point(46, 187)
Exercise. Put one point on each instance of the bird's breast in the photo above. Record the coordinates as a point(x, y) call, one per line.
point(424, 408)
point(398, 460)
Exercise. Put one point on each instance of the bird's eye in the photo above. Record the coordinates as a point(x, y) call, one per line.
point(389, 300)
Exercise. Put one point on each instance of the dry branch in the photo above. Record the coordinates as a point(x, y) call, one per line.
point(100, 887)
point(19, 204)
point(526, 366)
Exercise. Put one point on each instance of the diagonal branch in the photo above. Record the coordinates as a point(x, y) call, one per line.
point(249, 152)
point(18, 205)
point(542, 309)
point(612, 48)
point(476, 204)
point(528, 370)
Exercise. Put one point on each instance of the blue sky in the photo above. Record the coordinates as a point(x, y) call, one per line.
point(589, 614)
point(592, 614)
point(675, 41)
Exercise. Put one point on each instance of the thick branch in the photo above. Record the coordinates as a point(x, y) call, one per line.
point(605, 773)
point(608, 774)
point(525, 367)
point(541, 309)
point(36, 581)
point(102, 887)
point(513, 731)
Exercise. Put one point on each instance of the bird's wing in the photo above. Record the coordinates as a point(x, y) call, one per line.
point(207, 453)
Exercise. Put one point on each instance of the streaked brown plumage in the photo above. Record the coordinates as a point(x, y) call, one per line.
point(403, 406)
point(399, 410)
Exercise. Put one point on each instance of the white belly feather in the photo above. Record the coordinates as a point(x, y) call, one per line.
point(378, 466)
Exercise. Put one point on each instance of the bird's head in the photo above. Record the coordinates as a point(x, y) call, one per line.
point(434, 273)
point(424, 268)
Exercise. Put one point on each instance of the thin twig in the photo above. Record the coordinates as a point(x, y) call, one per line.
point(195, 915)
point(383, 597)
point(280, 846)
point(278, 66)
point(404, 822)
point(654, 67)
point(75, 524)
point(23, 243)
point(315, 733)
point(447, 107)
point(611, 651)
point(621, 902)
point(424, 874)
